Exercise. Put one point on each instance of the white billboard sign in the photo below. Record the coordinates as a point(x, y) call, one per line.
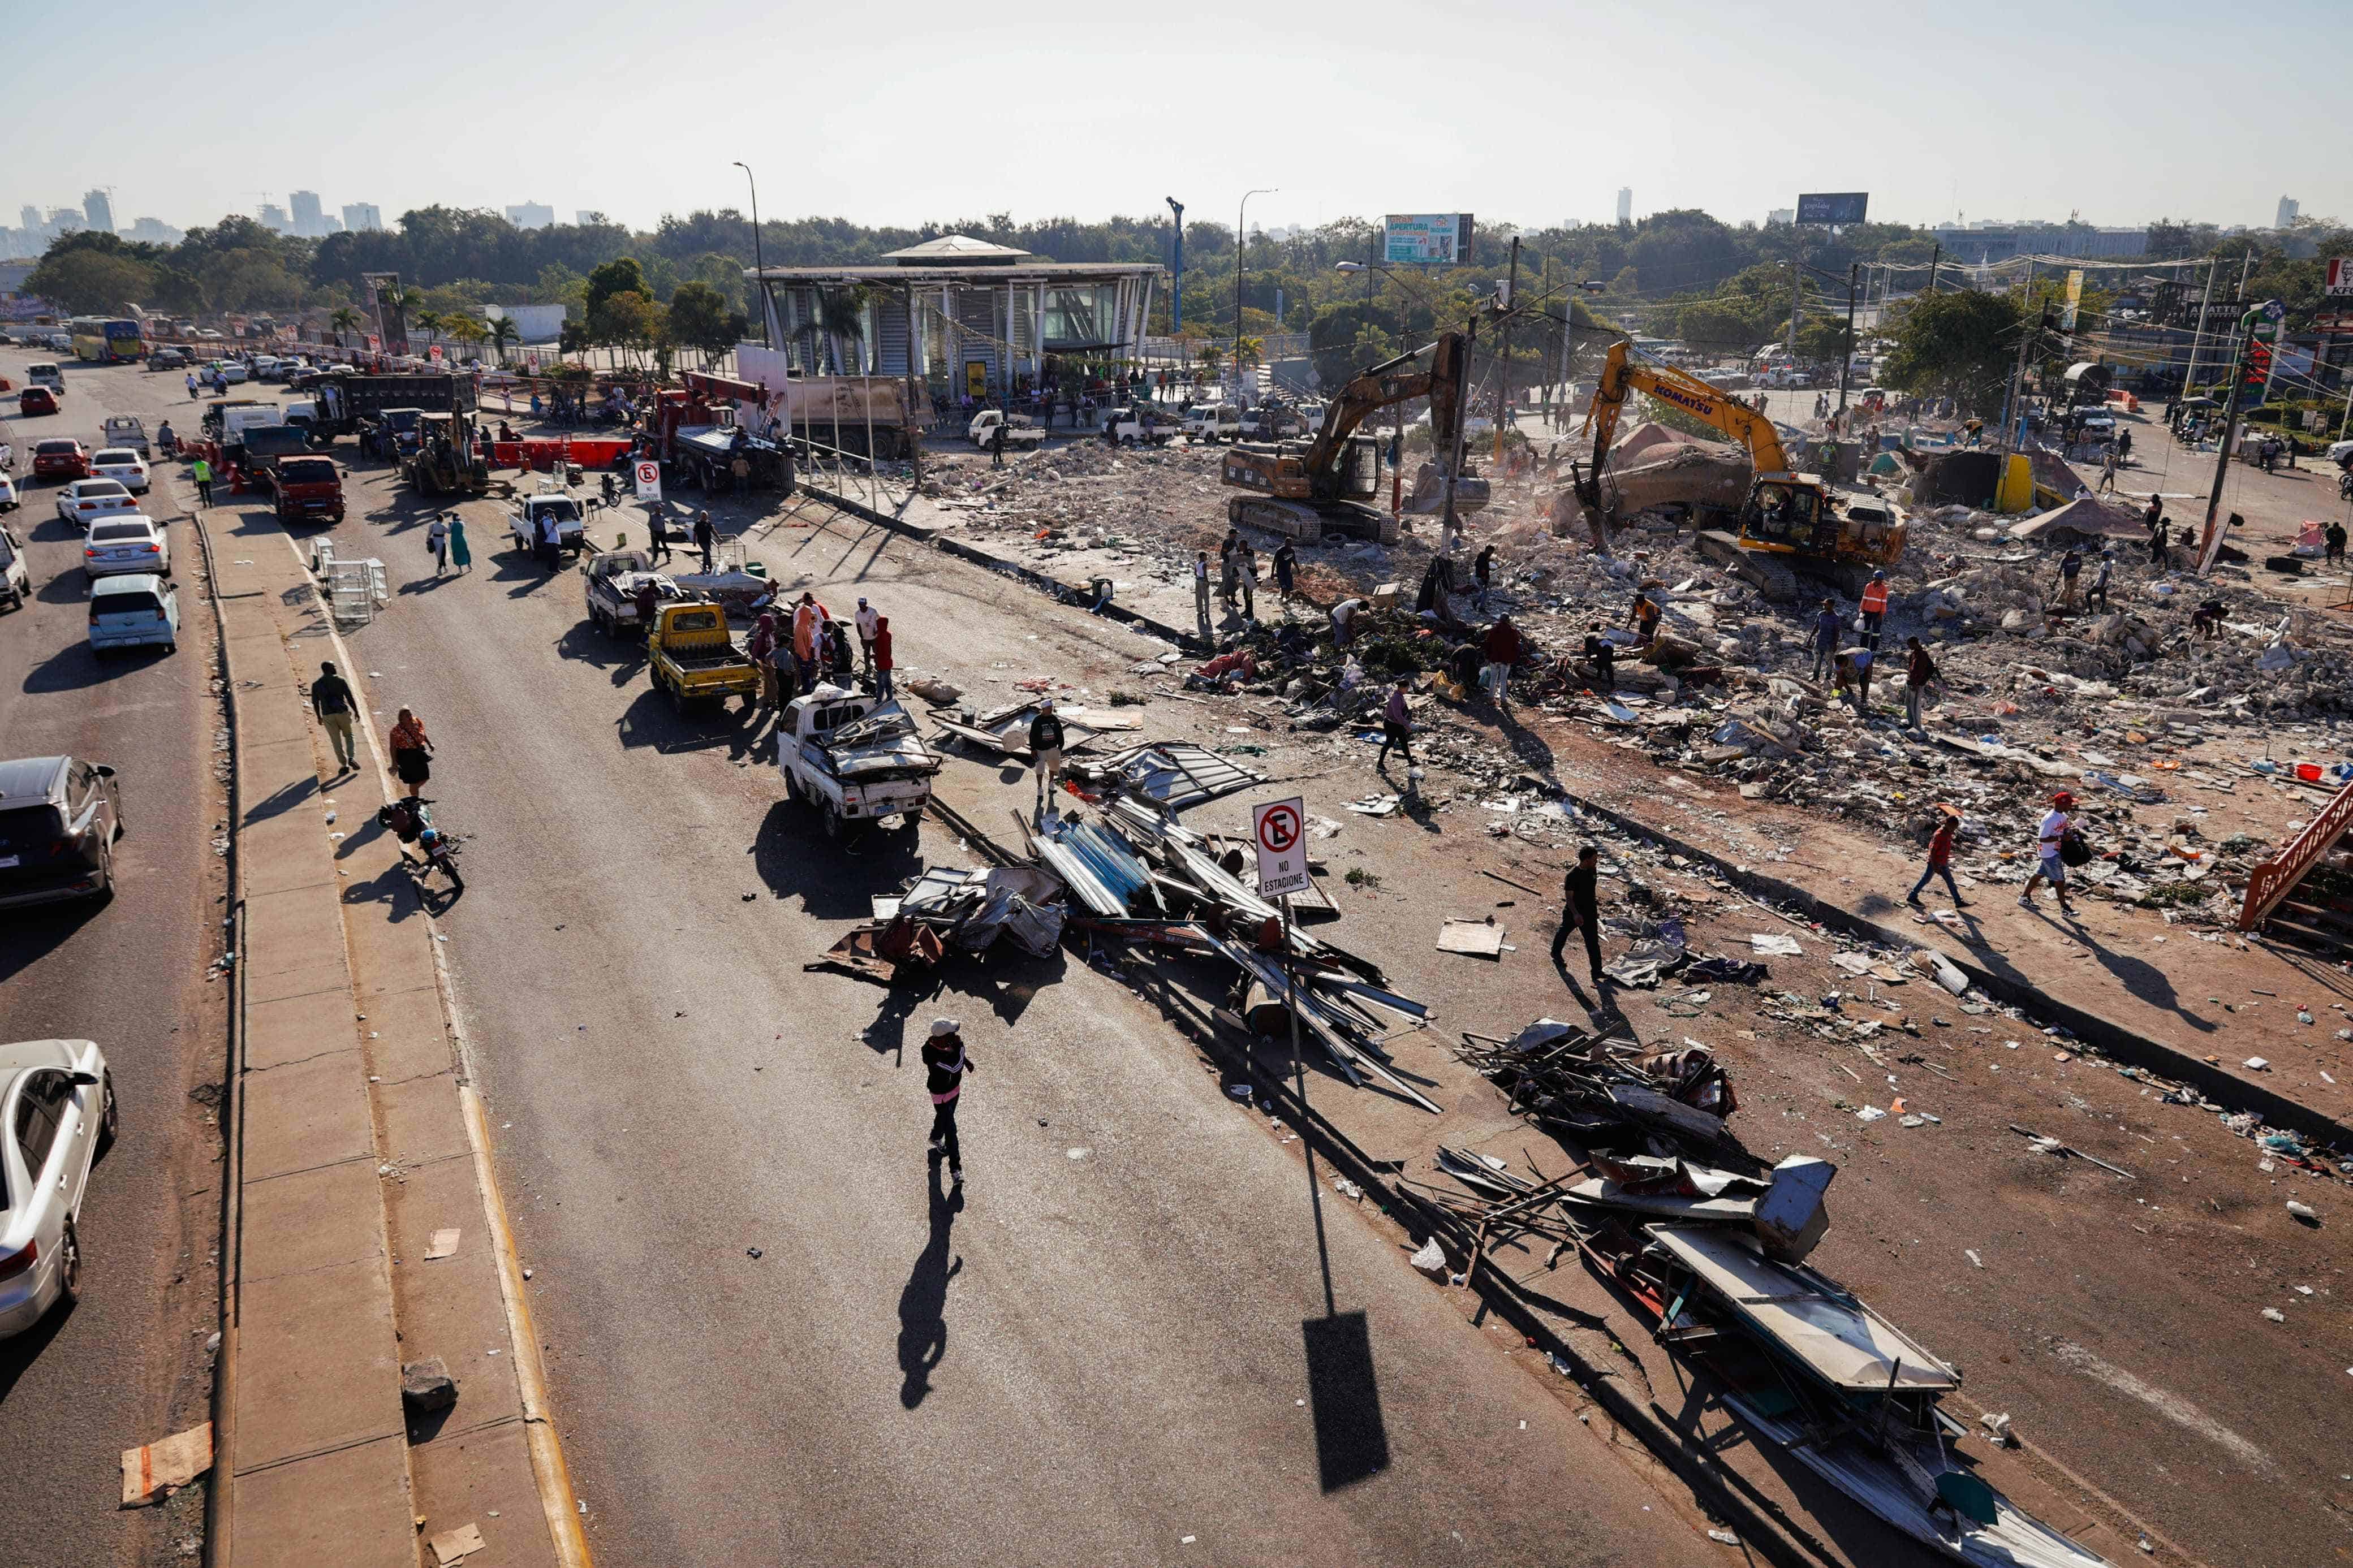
point(1426, 239)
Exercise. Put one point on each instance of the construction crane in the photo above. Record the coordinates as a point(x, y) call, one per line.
point(1793, 516)
point(1331, 482)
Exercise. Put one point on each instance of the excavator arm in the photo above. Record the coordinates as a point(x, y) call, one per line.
point(1622, 375)
point(1388, 384)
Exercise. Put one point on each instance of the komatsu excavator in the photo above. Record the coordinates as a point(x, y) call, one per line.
point(1332, 483)
point(1793, 519)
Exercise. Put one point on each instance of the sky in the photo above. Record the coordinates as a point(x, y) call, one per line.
point(1518, 111)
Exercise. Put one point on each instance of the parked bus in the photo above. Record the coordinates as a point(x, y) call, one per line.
point(106, 340)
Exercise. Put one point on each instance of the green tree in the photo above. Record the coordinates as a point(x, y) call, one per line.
point(345, 319)
point(1961, 343)
point(501, 333)
point(86, 281)
point(700, 319)
point(629, 321)
point(622, 275)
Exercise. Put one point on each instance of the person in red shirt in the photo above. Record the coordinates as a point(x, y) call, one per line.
point(879, 649)
point(1940, 857)
point(1502, 649)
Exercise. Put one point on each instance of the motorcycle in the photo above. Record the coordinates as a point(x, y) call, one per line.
point(2345, 485)
point(612, 489)
point(410, 821)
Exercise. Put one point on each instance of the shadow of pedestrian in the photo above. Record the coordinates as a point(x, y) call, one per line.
point(923, 1304)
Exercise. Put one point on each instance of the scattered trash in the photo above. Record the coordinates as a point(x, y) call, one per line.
point(443, 1244)
point(451, 1546)
point(2304, 1212)
point(1776, 944)
point(1998, 1427)
point(149, 1473)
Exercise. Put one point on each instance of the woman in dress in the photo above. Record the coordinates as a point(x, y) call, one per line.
point(410, 752)
point(460, 556)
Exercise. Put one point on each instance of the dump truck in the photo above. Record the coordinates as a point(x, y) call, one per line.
point(307, 487)
point(343, 404)
point(693, 657)
point(1790, 522)
point(854, 759)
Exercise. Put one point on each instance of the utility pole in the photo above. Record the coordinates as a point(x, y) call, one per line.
point(2198, 334)
point(1935, 256)
point(1504, 379)
point(1461, 420)
point(2206, 540)
point(1846, 360)
point(1176, 289)
point(2031, 322)
point(1794, 265)
point(758, 265)
point(1241, 250)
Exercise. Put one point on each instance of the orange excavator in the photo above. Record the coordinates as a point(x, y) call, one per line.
point(1331, 482)
point(1794, 517)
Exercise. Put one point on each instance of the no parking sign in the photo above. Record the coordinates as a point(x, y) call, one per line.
point(1280, 829)
point(648, 481)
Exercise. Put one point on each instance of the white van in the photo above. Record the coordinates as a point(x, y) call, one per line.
point(1213, 422)
point(134, 610)
point(45, 372)
point(15, 578)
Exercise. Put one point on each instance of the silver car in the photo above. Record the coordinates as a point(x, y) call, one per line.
point(57, 1116)
point(125, 544)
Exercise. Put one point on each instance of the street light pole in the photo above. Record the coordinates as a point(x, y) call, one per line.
point(1241, 249)
point(758, 265)
point(1176, 291)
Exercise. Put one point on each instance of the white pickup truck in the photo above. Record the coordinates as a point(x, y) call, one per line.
point(1213, 422)
point(611, 590)
point(855, 759)
point(571, 521)
point(1020, 432)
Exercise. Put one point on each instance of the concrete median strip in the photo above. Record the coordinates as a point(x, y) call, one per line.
point(360, 1154)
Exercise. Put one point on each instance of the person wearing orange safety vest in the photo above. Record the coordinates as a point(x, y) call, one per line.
point(1874, 605)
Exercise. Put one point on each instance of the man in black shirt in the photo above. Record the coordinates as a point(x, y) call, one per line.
point(1581, 909)
point(1046, 752)
point(331, 701)
point(945, 1064)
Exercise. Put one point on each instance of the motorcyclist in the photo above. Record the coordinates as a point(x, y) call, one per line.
point(166, 442)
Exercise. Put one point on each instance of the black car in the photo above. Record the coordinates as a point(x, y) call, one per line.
point(59, 818)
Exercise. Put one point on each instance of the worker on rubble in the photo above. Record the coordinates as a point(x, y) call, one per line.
point(1397, 725)
point(1201, 596)
point(1646, 620)
point(1875, 604)
point(1940, 856)
point(2101, 576)
point(1919, 673)
point(2336, 538)
point(1343, 613)
point(2049, 868)
point(1601, 655)
point(1827, 627)
point(1580, 911)
point(2206, 620)
point(2071, 568)
point(1503, 648)
point(1483, 571)
point(1046, 752)
point(1853, 675)
point(1286, 569)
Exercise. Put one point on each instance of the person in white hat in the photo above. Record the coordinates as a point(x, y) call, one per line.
point(865, 621)
point(945, 1061)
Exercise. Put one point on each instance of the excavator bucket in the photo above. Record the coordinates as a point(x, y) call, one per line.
point(1429, 498)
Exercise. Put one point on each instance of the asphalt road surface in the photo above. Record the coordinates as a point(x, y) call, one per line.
point(773, 1334)
point(128, 1366)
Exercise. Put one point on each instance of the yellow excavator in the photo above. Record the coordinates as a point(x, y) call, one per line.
point(1792, 516)
point(1332, 483)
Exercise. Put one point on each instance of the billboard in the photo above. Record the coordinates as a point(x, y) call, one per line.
point(1834, 207)
point(2340, 275)
point(2074, 301)
point(1424, 238)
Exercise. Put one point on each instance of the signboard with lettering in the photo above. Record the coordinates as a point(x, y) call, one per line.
point(1426, 239)
point(2340, 275)
point(1280, 828)
point(648, 477)
point(1836, 207)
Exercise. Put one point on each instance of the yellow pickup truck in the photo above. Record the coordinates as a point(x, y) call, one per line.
point(694, 659)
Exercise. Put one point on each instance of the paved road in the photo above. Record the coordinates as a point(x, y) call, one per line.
point(1116, 1346)
point(128, 1366)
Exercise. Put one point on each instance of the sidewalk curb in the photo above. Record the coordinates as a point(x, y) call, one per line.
point(2113, 1040)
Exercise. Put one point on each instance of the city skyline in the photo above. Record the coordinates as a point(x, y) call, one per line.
point(1421, 154)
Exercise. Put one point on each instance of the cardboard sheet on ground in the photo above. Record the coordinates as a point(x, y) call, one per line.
point(151, 1471)
point(1476, 937)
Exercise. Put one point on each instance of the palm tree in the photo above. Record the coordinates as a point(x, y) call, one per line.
point(499, 331)
point(345, 319)
point(841, 313)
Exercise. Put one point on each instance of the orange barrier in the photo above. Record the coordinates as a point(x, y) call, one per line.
point(589, 452)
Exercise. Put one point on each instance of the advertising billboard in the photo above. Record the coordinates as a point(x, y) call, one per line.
point(1834, 207)
point(1426, 239)
point(2340, 275)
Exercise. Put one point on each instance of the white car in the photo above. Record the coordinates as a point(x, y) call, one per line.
point(7, 493)
point(231, 371)
point(84, 500)
point(57, 1101)
point(124, 466)
point(119, 544)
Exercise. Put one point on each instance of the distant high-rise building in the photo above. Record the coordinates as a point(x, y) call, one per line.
point(363, 215)
point(155, 231)
point(65, 220)
point(309, 219)
point(330, 223)
point(29, 218)
point(273, 218)
point(1625, 203)
point(532, 215)
point(100, 211)
point(2289, 207)
point(1782, 216)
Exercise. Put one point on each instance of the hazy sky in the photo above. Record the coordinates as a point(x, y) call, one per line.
point(912, 112)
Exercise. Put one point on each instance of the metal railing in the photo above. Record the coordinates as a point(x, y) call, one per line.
point(2272, 881)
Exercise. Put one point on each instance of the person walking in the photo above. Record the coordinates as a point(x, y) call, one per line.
point(996, 442)
point(1246, 573)
point(2107, 471)
point(805, 617)
point(761, 648)
point(2157, 541)
point(880, 649)
point(2101, 576)
point(1919, 671)
point(1940, 857)
point(1503, 648)
point(1483, 571)
point(706, 540)
point(2071, 568)
point(1875, 604)
point(2048, 867)
point(1580, 911)
point(436, 539)
point(656, 537)
point(411, 749)
point(1397, 725)
point(331, 701)
point(1046, 752)
point(865, 620)
point(2336, 538)
point(204, 475)
point(1286, 570)
point(945, 1061)
point(1228, 579)
point(1826, 639)
point(192, 386)
point(461, 555)
point(1201, 596)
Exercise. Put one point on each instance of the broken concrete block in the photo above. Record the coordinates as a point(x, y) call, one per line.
point(427, 1386)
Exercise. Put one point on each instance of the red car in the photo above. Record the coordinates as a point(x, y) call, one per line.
point(63, 461)
point(37, 400)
